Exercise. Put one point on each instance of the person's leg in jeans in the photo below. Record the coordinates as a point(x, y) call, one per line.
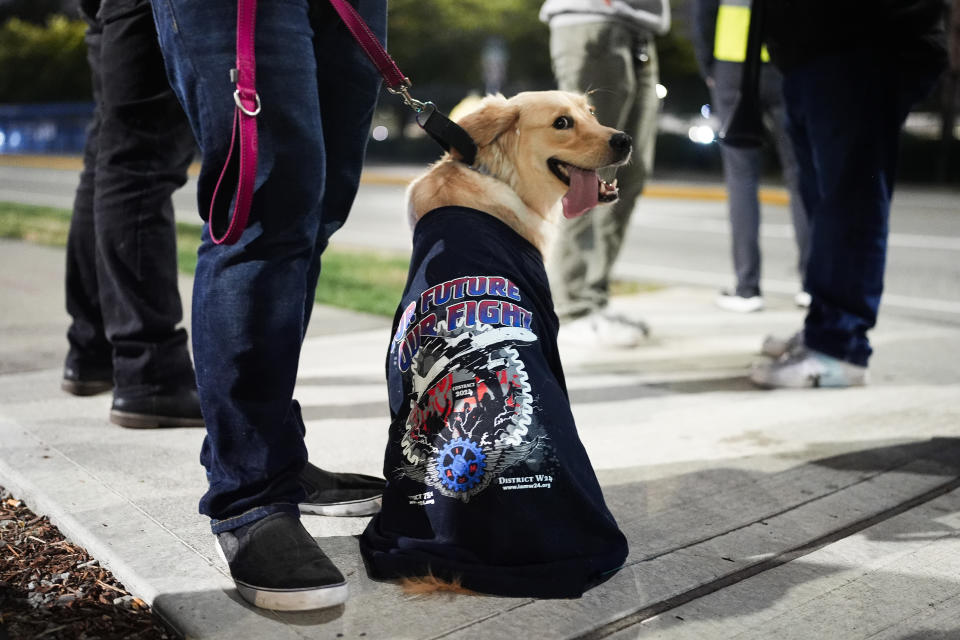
point(771, 94)
point(854, 138)
point(620, 72)
point(252, 299)
point(847, 156)
point(88, 368)
point(145, 147)
point(808, 194)
point(347, 106)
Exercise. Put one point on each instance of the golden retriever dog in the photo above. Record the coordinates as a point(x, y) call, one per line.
point(532, 149)
point(488, 487)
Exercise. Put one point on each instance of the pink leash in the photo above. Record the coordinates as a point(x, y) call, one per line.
point(241, 164)
point(240, 167)
point(396, 81)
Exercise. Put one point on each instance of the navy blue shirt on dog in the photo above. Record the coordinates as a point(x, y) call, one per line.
point(487, 481)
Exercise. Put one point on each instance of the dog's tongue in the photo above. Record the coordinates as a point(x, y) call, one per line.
point(582, 194)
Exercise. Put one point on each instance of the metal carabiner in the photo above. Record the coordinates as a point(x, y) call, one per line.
point(404, 92)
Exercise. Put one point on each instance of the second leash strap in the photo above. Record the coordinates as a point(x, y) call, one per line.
point(240, 168)
point(444, 131)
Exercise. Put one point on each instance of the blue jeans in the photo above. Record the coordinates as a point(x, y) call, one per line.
point(252, 300)
point(844, 113)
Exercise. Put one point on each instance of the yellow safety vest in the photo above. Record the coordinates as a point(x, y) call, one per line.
point(730, 39)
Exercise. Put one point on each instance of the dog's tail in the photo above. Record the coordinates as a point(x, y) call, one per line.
point(432, 584)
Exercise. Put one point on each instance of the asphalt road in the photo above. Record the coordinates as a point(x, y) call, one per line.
point(673, 240)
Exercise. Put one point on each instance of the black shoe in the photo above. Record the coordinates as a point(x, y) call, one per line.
point(277, 565)
point(340, 494)
point(177, 409)
point(89, 382)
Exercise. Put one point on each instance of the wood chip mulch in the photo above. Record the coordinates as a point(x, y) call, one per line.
point(51, 588)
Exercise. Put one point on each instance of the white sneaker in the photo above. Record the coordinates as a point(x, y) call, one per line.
point(802, 299)
point(806, 368)
point(732, 302)
point(600, 330)
point(776, 346)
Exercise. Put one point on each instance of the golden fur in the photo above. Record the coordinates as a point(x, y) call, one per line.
point(432, 584)
point(510, 178)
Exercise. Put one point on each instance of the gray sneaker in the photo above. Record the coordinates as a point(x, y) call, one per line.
point(805, 368)
point(776, 346)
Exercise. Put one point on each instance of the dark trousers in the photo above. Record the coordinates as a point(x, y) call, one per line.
point(121, 274)
point(252, 300)
point(844, 113)
point(742, 169)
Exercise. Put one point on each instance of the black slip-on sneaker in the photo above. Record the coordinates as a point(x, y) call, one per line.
point(277, 565)
point(180, 408)
point(340, 494)
point(88, 382)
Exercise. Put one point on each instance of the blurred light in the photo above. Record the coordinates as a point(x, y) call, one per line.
point(701, 134)
point(661, 91)
point(45, 132)
point(15, 139)
point(3, 139)
point(705, 111)
point(380, 133)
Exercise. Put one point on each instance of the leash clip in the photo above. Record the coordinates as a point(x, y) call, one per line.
point(427, 110)
point(404, 92)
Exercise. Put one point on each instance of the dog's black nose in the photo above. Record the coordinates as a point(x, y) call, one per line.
point(621, 143)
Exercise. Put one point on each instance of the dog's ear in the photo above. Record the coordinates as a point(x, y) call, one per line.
point(492, 117)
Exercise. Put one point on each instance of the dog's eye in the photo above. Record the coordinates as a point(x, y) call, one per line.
point(563, 122)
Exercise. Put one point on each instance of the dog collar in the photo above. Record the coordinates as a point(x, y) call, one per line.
point(447, 133)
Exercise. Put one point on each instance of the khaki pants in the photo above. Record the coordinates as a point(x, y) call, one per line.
point(619, 68)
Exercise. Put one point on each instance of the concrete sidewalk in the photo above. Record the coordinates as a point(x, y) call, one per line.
point(750, 514)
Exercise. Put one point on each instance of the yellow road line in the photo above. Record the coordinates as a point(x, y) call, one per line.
point(373, 177)
point(67, 163)
point(768, 195)
point(42, 162)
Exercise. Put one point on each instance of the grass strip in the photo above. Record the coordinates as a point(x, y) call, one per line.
point(40, 225)
point(357, 279)
point(360, 280)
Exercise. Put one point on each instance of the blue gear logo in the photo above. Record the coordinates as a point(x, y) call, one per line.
point(461, 464)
